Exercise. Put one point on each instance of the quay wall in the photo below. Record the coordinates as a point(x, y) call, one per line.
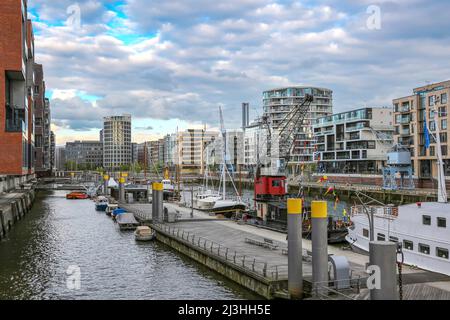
point(9, 183)
point(13, 207)
point(258, 284)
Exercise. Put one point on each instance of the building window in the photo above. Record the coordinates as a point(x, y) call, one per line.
point(424, 248)
point(431, 100)
point(408, 245)
point(444, 98)
point(442, 222)
point(36, 89)
point(426, 220)
point(444, 124)
point(365, 233)
point(442, 111)
point(393, 239)
point(381, 237)
point(442, 253)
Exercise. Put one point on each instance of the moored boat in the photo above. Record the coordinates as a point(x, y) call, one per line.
point(101, 203)
point(110, 208)
point(127, 221)
point(144, 233)
point(77, 196)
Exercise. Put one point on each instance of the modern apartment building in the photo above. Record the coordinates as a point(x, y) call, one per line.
point(191, 147)
point(170, 150)
point(234, 151)
point(134, 151)
point(52, 150)
point(409, 115)
point(16, 121)
point(279, 102)
point(116, 142)
point(84, 155)
point(60, 158)
point(255, 145)
point(354, 142)
point(42, 124)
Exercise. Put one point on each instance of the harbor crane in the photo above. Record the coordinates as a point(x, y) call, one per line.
point(282, 141)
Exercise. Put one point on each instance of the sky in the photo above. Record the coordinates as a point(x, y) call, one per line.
point(170, 64)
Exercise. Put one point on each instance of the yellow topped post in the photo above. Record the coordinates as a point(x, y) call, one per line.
point(294, 206)
point(319, 244)
point(319, 209)
point(295, 273)
point(158, 186)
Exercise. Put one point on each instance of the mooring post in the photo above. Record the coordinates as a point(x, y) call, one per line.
point(295, 272)
point(105, 184)
point(319, 242)
point(382, 263)
point(121, 189)
point(157, 202)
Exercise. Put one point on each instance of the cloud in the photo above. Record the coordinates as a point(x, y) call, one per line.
point(181, 59)
point(149, 128)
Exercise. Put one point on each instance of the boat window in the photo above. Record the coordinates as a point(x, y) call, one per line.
point(441, 222)
point(424, 248)
point(381, 237)
point(426, 220)
point(442, 253)
point(408, 245)
point(365, 233)
point(393, 239)
point(276, 183)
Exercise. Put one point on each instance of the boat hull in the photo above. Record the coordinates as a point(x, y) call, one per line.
point(101, 207)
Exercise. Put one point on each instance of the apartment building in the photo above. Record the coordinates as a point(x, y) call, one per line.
point(410, 112)
point(42, 124)
point(279, 102)
point(52, 150)
point(116, 142)
point(191, 147)
point(234, 152)
point(84, 155)
point(17, 55)
point(134, 151)
point(60, 158)
point(354, 142)
point(255, 145)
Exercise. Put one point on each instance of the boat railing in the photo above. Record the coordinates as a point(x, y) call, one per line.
point(238, 259)
point(389, 210)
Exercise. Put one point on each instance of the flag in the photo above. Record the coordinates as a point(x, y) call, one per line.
point(329, 190)
point(426, 132)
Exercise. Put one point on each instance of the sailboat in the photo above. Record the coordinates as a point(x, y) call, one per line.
point(225, 205)
point(421, 228)
point(206, 197)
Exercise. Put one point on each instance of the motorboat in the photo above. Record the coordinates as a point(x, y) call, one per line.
point(144, 233)
point(101, 203)
point(127, 221)
point(110, 208)
point(77, 196)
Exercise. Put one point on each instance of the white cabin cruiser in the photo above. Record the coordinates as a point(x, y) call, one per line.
point(421, 228)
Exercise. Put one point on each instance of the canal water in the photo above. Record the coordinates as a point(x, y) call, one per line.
point(43, 253)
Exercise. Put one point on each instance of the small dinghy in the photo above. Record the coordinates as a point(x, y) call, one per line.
point(144, 234)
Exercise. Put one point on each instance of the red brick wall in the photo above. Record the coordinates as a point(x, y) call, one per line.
point(10, 60)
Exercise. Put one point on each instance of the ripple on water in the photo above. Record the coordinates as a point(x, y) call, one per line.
point(59, 233)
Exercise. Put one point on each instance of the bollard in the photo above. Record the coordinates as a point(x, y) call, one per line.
point(319, 242)
point(295, 272)
point(383, 259)
point(121, 190)
point(157, 202)
point(105, 184)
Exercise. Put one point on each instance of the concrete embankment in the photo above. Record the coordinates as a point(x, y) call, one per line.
point(13, 207)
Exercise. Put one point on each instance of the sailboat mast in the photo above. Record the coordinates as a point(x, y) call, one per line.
point(442, 190)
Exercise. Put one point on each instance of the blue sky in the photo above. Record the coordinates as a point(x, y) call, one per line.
point(172, 63)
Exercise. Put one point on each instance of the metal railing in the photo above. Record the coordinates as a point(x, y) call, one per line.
point(344, 289)
point(250, 264)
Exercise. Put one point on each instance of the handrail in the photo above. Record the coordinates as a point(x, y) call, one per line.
point(260, 268)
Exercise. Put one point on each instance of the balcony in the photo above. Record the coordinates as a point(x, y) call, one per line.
point(15, 126)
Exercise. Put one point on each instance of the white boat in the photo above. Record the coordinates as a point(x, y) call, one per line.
point(205, 200)
point(144, 233)
point(110, 208)
point(421, 228)
point(422, 231)
point(101, 203)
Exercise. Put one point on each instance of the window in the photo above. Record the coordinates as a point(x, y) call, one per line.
point(431, 100)
point(444, 124)
point(393, 239)
point(442, 222)
point(381, 237)
point(36, 89)
point(444, 98)
point(442, 253)
point(424, 248)
point(426, 220)
point(408, 245)
point(365, 233)
point(442, 111)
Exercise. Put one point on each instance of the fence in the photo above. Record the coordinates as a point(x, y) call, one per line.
point(250, 264)
point(335, 290)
